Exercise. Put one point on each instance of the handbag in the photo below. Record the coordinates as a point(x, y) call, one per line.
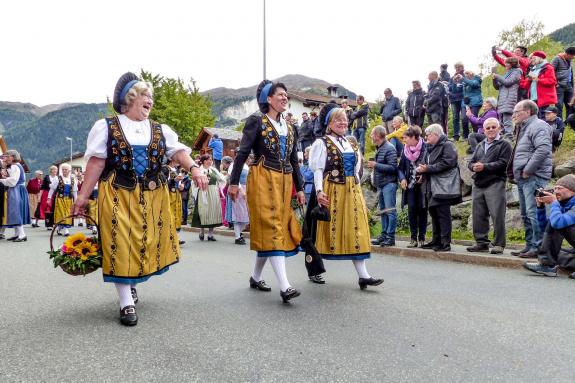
point(320, 213)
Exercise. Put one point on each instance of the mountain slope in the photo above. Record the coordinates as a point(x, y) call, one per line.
point(565, 35)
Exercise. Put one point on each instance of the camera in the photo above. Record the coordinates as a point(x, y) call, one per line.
point(541, 192)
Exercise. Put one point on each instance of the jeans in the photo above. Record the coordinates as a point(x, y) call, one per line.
point(528, 206)
point(459, 115)
point(564, 95)
point(398, 146)
point(389, 216)
point(416, 213)
point(359, 134)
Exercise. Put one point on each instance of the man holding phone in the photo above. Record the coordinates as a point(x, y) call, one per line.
point(558, 226)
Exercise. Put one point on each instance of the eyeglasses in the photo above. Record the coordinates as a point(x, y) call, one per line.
point(490, 127)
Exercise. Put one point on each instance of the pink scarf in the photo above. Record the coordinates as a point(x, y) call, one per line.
point(412, 152)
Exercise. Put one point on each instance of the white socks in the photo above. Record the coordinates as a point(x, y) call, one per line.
point(125, 295)
point(361, 268)
point(238, 228)
point(279, 266)
point(258, 268)
point(19, 231)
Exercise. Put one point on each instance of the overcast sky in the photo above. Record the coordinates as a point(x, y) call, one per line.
point(74, 51)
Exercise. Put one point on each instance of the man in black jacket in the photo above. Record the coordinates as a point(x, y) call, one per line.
point(489, 164)
point(434, 101)
point(306, 134)
point(360, 122)
point(414, 105)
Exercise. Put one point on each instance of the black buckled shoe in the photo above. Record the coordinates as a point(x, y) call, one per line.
point(290, 293)
point(181, 242)
point(128, 316)
point(261, 285)
point(12, 238)
point(201, 237)
point(134, 294)
point(211, 238)
point(317, 279)
point(240, 241)
point(364, 282)
point(23, 239)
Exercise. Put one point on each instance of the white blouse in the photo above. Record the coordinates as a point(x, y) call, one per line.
point(318, 156)
point(13, 177)
point(67, 181)
point(136, 133)
point(280, 126)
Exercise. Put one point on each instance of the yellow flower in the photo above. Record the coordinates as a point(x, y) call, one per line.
point(86, 250)
point(74, 240)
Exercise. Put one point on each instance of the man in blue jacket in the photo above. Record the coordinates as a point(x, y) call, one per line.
point(217, 147)
point(558, 226)
point(391, 107)
point(384, 167)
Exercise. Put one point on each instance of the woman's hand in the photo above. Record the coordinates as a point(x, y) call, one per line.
point(79, 206)
point(403, 184)
point(233, 192)
point(199, 179)
point(421, 168)
point(322, 199)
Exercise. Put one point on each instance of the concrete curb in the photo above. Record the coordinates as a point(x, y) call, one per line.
point(457, 255)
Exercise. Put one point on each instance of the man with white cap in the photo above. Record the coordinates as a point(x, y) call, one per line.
point(558, 226)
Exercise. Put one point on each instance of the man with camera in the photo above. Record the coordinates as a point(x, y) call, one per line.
point(531, 165)
point(558, 226)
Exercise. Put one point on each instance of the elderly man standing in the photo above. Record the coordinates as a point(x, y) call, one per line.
point(385, 179)
point(531, 164)
point(489, 165)
point(391, 107)
point(34, 191)
point(434, 100)
point(562, 63)
point(18, 211)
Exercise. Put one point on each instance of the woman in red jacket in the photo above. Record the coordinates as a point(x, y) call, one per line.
point(540, 82)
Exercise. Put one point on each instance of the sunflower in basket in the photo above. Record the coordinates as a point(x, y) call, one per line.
point(79, 255)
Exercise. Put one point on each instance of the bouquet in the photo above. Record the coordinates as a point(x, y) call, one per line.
point(79, 255)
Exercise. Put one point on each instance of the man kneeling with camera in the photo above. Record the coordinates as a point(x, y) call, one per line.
point(558, 226)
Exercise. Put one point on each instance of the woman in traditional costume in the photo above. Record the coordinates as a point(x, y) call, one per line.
point(62, 195)
point(16, 208)
point(44, 210)
point(125, 153)
point(336, 164)
point(208, 207)
point(274, 232)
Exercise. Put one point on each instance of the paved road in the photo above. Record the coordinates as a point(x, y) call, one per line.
point(432, 321)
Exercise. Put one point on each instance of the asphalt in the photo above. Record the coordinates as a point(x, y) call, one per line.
point(431, 321)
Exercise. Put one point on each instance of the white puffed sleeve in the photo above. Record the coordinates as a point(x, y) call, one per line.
point(359, 164)
point(13, 177)
point(74, 190)
point(172, 143)
point(97, 144)
point(317, 158)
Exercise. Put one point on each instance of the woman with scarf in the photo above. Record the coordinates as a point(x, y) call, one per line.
point(16, 208)
point(336, 163)
point(274, 233)
point(208, 207)
point(125, 155)
point(540, 82)
point(410, 182)
point(63, 194)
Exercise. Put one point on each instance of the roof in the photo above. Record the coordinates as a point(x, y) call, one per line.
point(75, 156)
point(314, 98)
point(224, 134)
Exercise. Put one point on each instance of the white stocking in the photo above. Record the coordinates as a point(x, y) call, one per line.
point(19, 231)
point(238, 227)
point(258, 268)
point(125, 295)
point(279, 266)
point(361, 268)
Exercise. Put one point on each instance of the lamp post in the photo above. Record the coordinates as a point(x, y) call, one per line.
point(70, 139)
point(264, 39)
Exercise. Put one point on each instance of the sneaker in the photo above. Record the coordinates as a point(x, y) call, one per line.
point(536, 267)
point(497, 250)
point(478, 248)
point(517, 253)
point(317, 279)
point(412, 244)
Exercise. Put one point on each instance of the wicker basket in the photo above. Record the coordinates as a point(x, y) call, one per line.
point(66, 268)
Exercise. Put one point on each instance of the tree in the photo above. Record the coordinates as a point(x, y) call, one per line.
point(180, 106)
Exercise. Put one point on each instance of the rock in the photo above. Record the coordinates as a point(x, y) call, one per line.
point(464, 171)
point(566, 168)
